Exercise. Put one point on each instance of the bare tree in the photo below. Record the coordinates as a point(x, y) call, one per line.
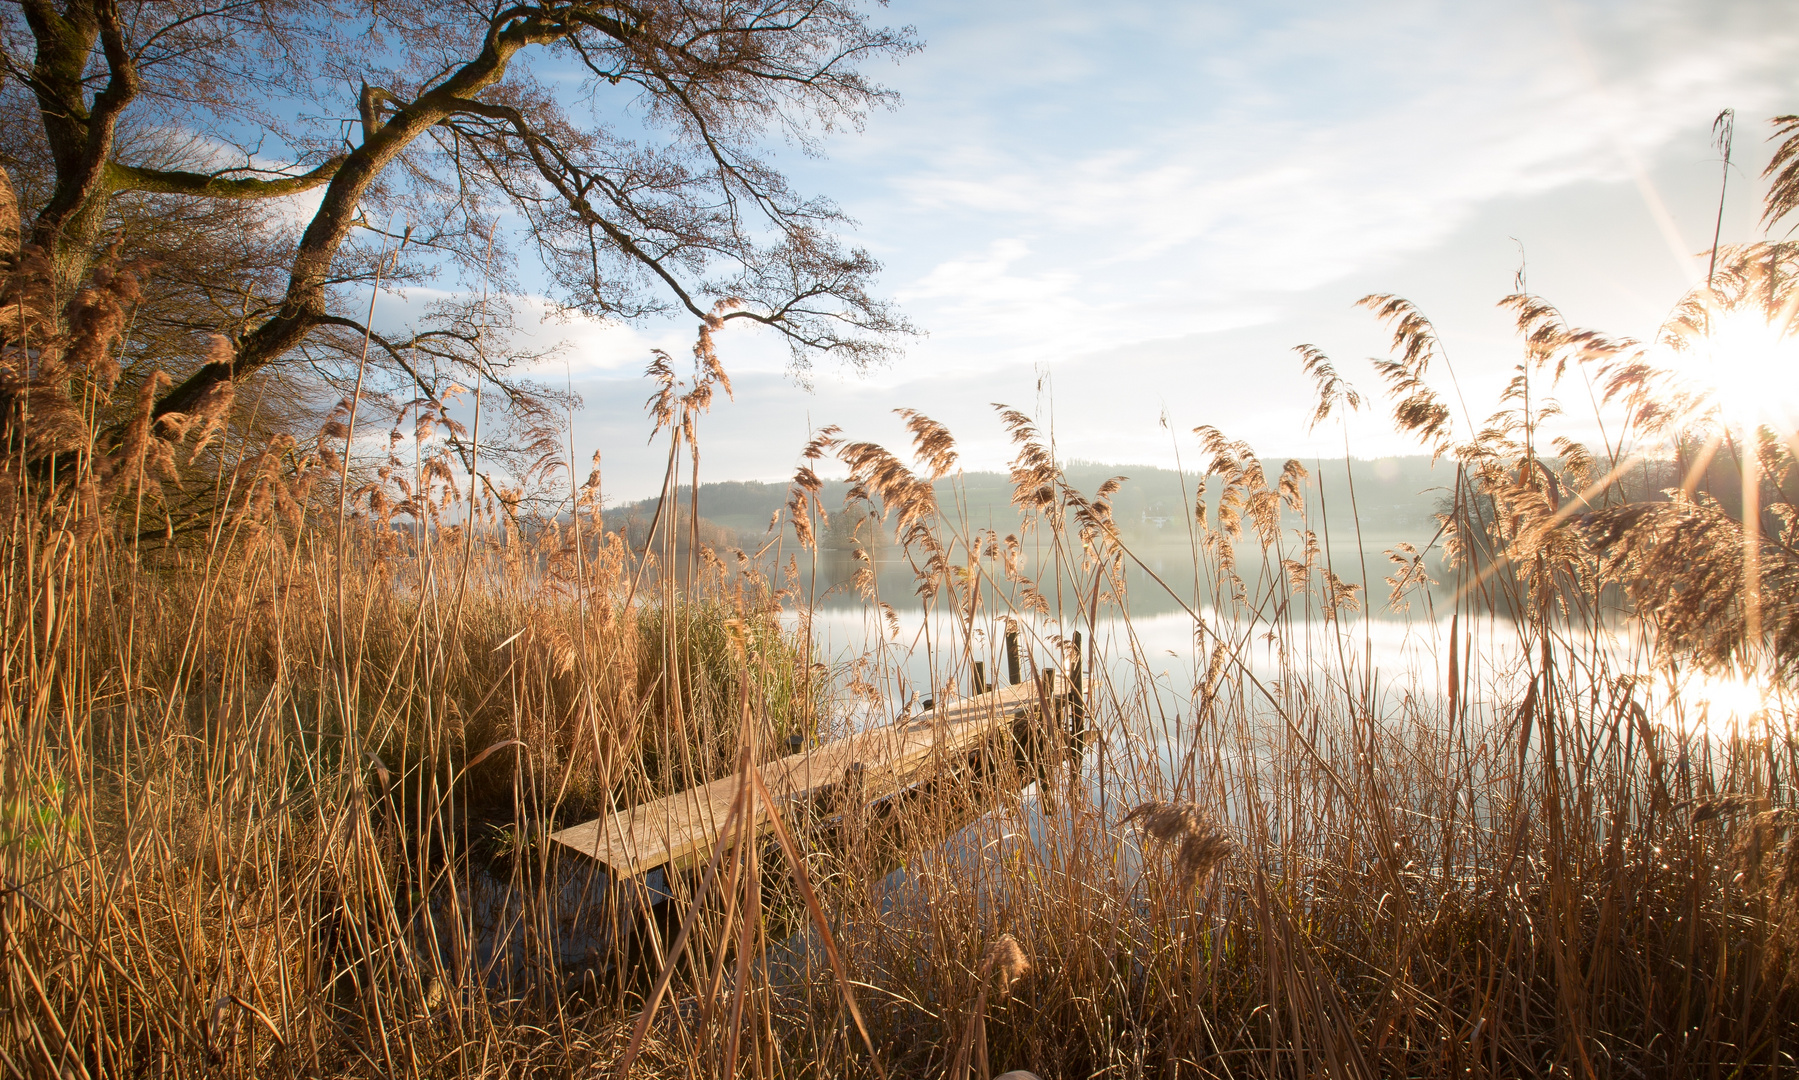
point(620, 138)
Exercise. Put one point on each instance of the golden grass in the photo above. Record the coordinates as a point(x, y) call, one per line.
point(274, 799)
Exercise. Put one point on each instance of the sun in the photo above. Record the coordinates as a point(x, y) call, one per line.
point(1725, 703)
point(1747, 366)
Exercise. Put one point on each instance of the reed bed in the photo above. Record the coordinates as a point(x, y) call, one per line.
point(275, 795)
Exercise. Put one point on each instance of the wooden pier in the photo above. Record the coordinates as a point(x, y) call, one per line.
point(682, 828)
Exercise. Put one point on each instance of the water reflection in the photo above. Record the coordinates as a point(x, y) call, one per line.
point(1150, 652)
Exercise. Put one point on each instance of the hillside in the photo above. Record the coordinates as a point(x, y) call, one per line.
point(1394, 497)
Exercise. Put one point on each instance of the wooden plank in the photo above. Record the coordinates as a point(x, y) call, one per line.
point(687, 823)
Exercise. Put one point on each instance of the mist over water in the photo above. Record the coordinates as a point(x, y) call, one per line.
point(1143, 619)
point(1153, 640)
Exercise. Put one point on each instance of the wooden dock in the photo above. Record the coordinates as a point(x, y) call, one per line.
point(877, 763)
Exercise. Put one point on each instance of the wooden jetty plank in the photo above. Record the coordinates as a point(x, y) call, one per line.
point(688, 823)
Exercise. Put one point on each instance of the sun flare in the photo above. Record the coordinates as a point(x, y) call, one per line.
point(1726, 703)
point(1747, 366)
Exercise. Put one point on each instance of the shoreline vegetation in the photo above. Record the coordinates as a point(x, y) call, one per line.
point(276, 790)
point(295, 697)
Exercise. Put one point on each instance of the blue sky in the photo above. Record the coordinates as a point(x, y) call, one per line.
point(1111, 213)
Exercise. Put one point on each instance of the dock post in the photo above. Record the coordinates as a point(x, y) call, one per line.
point(1011, 653)
point(1046, 740)
point(980, 678)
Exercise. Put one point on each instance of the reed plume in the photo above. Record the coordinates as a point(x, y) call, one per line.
point(1200, 844)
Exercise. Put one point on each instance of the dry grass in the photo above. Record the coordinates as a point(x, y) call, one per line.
point(274, 799)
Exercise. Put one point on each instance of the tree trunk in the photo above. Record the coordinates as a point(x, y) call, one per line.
point(80, 132)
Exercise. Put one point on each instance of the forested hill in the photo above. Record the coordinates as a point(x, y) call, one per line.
point(1393, 497)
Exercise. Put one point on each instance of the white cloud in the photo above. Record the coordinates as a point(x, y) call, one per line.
point(1153, 202)
point(587, 346)
point(1197, 211)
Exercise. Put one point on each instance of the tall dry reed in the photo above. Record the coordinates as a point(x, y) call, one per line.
point(276, 788)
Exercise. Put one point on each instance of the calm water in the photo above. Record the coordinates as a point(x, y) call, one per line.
point(1150, 662)
point(1140, 630)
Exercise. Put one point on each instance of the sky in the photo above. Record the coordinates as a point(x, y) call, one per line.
point(1123, 216)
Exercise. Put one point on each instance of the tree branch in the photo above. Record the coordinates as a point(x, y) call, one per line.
point(534, 145)
point(124, 177)
point(394, 349)
point(304, 306)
